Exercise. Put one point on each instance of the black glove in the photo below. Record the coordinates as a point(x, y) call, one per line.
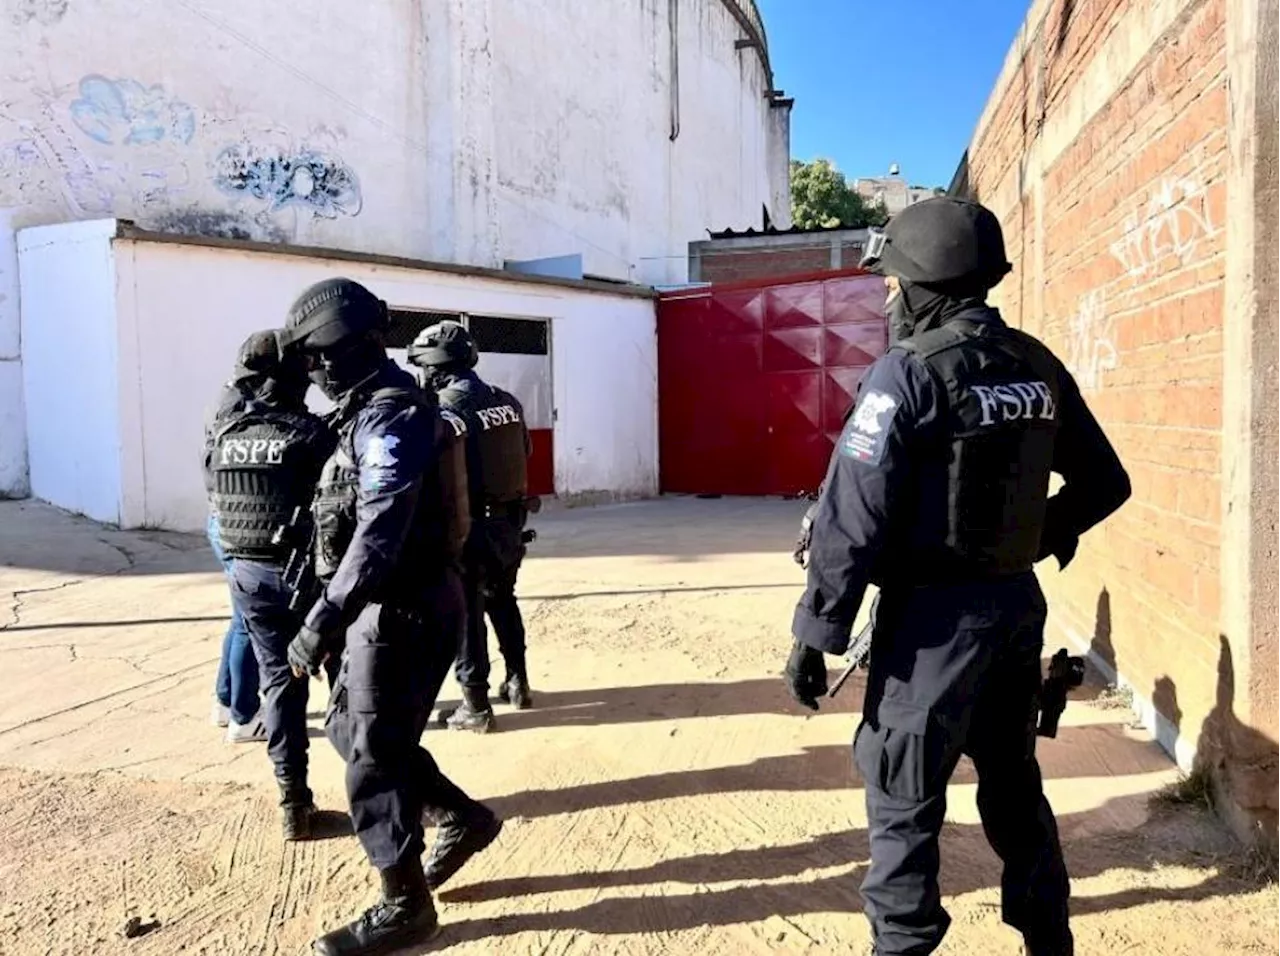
point(801, 553)
point(806, 675)
point(1061, 544)
point(307, 653)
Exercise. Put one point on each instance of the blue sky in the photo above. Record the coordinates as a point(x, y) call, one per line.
point(888, 81)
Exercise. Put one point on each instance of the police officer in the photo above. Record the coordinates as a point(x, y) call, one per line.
point(498, 446)
point(236, 705)
point(389, 529)
point(266, 454)
point(937, 492)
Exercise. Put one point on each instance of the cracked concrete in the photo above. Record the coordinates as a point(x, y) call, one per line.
point(19, 599)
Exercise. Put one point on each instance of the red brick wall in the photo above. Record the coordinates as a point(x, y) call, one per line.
point(732, 265)
point(1116, 230)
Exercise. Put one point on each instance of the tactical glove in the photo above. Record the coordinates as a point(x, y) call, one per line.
point(801, 553)
point(307, 653)
point(1061, 544)
point(806, 675)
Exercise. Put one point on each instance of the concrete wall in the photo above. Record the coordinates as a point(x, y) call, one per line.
point(470, 131)
point(174, 314)
point(1106, 151)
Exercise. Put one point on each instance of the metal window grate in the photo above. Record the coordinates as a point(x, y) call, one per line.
point(407, 323)
point(495, 333)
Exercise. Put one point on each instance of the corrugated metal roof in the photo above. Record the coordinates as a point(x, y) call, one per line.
point(774, 231)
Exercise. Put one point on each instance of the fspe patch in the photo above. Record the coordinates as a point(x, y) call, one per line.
point(865, 436)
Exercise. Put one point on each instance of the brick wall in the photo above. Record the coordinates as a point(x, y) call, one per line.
point(733, 258)
point(733, 265)
point(1104, 152)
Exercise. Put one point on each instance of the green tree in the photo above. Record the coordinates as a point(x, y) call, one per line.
point(820, 197)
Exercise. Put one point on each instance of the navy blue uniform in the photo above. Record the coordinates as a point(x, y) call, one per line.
point(397, 594)
point(498, 446)
point(955, 661)
point(262, 462)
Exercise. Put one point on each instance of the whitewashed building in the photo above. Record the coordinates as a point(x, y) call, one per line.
point(387, 141)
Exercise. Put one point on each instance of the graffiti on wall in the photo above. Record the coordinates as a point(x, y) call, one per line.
point(120, 147)
point(124, 112)
point(1091, 349)
point(1171, 224)
point(304, 178)
point(44, 168)
point(44, 12)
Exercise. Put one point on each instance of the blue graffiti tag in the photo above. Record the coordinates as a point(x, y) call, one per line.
point(128, 113)
point(325, 185)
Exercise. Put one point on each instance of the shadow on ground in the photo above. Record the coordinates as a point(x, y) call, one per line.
point(1168, 838)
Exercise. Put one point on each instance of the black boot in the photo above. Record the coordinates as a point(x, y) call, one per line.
point(515, 691)
point(1052, 944)
point(296, 812)
point(404, 915)
point(458, 839)
point(475, 714)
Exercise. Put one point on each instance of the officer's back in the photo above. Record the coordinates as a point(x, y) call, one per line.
point(938, 492)
point(497, 438)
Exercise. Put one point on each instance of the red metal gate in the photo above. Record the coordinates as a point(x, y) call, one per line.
point(754, 379)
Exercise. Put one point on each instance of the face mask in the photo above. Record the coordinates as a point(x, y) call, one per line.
point(323, 380)
point(901, 322)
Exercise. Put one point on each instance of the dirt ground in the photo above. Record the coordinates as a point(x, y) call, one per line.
point(662, 797)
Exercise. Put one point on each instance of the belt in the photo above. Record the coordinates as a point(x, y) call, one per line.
point(502, 509)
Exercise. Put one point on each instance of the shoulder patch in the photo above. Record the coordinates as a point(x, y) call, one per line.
point(379, 465)
point(865, 433)
point(380, 452)
point(457, 422)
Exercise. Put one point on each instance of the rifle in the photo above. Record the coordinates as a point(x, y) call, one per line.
point(299, 570)
point(859, 653)
point(1065, 672)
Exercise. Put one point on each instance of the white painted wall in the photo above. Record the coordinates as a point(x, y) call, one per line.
point(584, 158)
point(470, 131)
point(177, 314)
point(73, 392)
point(13, 446)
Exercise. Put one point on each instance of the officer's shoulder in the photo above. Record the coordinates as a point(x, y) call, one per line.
point(902, 368)
point(393, 408)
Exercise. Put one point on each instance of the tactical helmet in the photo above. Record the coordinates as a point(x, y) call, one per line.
point(258, 355)
point(331, 312)
point(940, 242)
point(445, 343)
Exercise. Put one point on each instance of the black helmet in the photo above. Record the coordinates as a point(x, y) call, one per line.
point(445, 343)
point(258, 356)
point(263, 371)
point(940, 242)
point(330, 313)
point(336, 328)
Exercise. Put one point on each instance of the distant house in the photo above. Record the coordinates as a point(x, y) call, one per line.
point(892, 191)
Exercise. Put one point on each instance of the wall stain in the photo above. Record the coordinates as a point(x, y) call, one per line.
point(218, 224)
point(303, 177)
point(125, 112)
point(44, 12)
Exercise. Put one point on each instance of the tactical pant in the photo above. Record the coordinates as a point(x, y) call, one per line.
point(495, 553)
point(396, 661)
point(956, 670)
point(262, 598)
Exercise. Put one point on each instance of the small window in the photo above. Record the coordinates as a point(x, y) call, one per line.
point(407, 323)
point(513, 336)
